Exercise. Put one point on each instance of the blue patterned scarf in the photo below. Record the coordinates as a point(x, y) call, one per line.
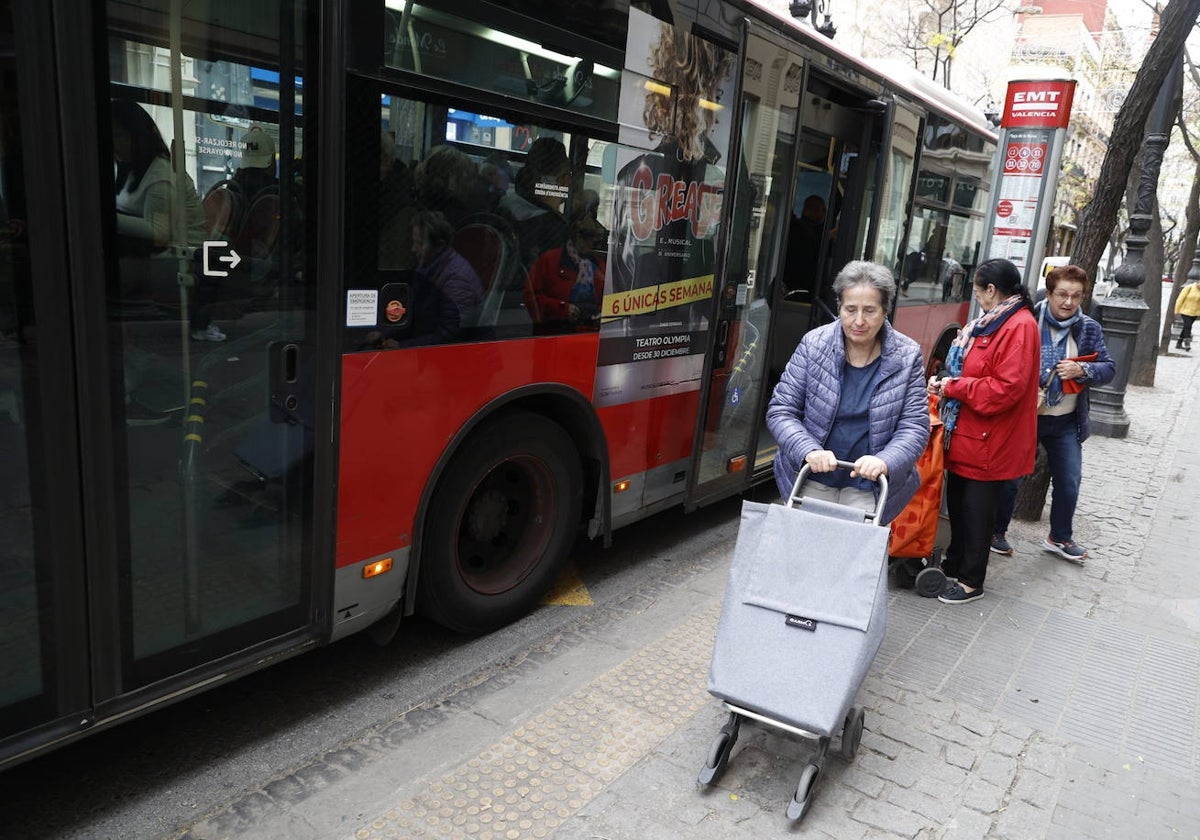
point(1053, 351)
point(985, 324)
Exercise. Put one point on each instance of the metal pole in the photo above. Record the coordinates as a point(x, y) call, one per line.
point(1121, 312)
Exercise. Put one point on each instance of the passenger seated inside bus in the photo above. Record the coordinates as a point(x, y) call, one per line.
point(148, 195)
point(535, 206)
point(397, 207)
point(446, 292)
point(804, 246)
point(443, 183)
point(566, 284)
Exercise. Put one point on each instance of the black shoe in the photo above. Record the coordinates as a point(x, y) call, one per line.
point(1001, 546)
point(955, 594)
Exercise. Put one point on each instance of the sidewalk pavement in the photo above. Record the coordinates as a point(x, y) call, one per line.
point(1064, 704)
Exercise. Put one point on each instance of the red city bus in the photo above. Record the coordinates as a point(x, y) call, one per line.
point(345, 311)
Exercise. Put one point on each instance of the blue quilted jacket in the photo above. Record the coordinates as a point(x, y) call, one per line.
point(805, 402)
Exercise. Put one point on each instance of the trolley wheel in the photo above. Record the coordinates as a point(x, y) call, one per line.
point(802, 801)
point(852, 731)
point(501, 521)
point(930, 582)
point(719, 752)
point(718, 757)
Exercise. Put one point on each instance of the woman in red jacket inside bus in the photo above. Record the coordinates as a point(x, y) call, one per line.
point(989, 413)
point(566, 284)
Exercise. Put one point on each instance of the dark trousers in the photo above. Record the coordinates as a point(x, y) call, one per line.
point(1058, 434)
point(972, 508)
point(1185, 334)
point(1006, 505)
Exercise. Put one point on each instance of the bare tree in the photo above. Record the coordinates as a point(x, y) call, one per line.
point(1191, 228)
point(1099, 216)
point(930, 31)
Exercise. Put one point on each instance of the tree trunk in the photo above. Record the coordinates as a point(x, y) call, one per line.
point(1099, 216)
point(1031, 498)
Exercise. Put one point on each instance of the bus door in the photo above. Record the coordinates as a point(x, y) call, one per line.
point(833, 196)
point(733, 392)
point(183, 325)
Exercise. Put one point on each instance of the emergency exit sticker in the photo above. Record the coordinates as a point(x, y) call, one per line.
point(362, 307)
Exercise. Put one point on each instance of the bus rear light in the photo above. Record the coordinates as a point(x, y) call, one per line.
point(736, 464)
point(377, 568)
point(621, 486)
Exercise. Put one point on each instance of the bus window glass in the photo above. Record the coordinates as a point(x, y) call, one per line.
point(24, 598)
point(473, 227)
point(945, 236)
point(433, 42)
point(897, 183)
point(206, 147)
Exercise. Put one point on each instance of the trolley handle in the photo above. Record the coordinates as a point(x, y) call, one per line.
point(843, 465)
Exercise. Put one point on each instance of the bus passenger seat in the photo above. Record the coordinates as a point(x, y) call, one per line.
point(485, 249)
point(222, 206)
point(260, 228)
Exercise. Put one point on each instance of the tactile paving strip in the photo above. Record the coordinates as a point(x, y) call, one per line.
point(530, 782)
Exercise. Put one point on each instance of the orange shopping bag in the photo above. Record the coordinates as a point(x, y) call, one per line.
point(915, 529)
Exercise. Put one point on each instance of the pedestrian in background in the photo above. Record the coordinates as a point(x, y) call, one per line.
point(1073, 360)
point(989, 414)
point(1187, 307)
point(853, 391)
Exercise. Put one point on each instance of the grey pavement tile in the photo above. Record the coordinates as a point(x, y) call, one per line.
point(985, 797)
point(958, 756)
point(886, 817)
point(1020, 821)
point(968, 824)
point(1035, 789)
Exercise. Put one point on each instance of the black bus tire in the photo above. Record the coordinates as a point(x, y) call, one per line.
point(501, 522)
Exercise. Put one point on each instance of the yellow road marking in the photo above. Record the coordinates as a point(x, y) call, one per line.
point(569, 590)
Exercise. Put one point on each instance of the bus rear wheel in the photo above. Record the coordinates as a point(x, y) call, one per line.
point(501, 522)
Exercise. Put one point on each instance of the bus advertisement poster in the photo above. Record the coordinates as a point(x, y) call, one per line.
point(668, 186)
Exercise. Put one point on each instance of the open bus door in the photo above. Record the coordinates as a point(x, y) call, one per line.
point(733, 393)
point(780, 268)
point(156, 505)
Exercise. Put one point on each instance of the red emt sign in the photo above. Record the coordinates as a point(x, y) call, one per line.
point(1038, 104)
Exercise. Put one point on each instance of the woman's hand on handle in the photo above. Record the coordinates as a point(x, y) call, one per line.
point(869, 467)
point(821, 460)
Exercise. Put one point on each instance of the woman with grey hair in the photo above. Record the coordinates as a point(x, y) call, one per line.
point(853, 391)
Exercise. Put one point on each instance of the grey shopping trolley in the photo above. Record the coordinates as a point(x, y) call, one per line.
point(802, 619)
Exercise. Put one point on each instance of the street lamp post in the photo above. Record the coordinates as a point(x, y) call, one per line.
point(1121, 312)
point(813, 9)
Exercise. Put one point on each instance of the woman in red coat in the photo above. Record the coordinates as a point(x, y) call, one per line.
point(989, 413)
point(566, 284)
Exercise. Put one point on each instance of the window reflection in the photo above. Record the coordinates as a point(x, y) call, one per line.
point(24, 604)
point(496, 229)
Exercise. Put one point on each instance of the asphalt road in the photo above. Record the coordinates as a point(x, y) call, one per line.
point(155, 776)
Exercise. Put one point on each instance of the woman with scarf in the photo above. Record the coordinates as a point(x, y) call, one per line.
point(566, 284)
point(1073, 360)
point(989, 415)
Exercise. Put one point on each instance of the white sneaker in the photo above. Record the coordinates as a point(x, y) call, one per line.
point(213, 333)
